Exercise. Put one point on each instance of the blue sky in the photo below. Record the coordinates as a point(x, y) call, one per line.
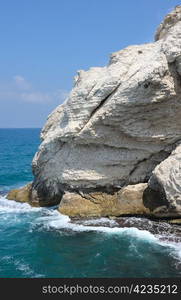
point(44, 42)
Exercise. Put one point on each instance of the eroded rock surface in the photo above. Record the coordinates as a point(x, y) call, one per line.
point(21, 195)
point(127, 201)
point(163, 195)
point(118, 123)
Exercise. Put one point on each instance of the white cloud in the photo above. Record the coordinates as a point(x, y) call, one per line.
point(21, 83)
point(18, 88)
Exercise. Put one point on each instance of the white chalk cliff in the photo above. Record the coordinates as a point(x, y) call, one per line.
point(118, 123)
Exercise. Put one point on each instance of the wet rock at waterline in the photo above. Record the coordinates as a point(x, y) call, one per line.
point(28, 195)
point(21, 195)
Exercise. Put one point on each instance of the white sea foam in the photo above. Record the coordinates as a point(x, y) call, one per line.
point(56, 221)
point(11, 206)
point(100, 221)
point(51, 219)
point(174, 247)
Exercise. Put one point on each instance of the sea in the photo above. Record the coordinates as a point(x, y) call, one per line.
point(40, 242)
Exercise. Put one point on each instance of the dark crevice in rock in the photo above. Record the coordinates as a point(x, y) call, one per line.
point(176, 76)
point(45, 195)
point(163, 154)
point(88, 197)
point(100, 105)
point(109, 189)
point(102, 102)
point(153, 199)
point(152, 158)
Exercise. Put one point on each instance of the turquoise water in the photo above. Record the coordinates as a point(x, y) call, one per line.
point(39, 242)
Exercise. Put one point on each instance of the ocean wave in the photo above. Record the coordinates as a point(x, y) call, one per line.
point(135, 228)
point(56, 221)
point(11, 206)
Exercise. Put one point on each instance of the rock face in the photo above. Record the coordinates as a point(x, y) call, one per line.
point(21, 195)
point(165, 185)
point(28, 195)
point(170, 20)
point(128, 201)
point(118, 123)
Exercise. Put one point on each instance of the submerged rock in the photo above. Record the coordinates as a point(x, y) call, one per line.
point(118, 123)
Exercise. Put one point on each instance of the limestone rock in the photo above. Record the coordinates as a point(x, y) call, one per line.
point(128, 200)
point(29, 195)
point(163, 195)
point(169, 21)
point(21, 194)
point(118, 123)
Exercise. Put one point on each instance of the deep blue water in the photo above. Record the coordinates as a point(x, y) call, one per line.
point(17, 147)
point(39, 242)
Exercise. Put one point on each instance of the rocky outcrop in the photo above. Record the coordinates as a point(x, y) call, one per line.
point(169, 21)
point(164, 186)
point(127, 201)
point(118, 123)
point(28, 195)
point(21, 195)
